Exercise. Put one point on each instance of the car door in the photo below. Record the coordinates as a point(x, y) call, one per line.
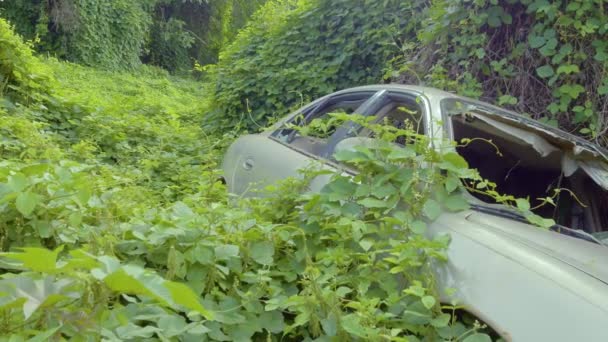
point(257, 160)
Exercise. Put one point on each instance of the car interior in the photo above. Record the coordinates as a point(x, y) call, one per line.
point(520, 164)
point(519, 169)
point(399, 111)
point(314, 142)
point(395, 109)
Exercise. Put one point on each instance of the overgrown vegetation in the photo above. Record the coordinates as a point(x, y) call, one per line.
point(543, 58)
point(301, 49)
point(114, 225)
point(118, 35)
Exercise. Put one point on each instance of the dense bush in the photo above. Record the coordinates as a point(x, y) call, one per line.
point(106, 34)
point(113, 225)
point(543, 58)
point(119, 34)
point(295, 50)
point(22, 76)
point(546, 58)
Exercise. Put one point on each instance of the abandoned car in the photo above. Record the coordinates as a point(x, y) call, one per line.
point(527, 283)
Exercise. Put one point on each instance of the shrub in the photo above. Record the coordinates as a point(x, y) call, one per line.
point(296, 50)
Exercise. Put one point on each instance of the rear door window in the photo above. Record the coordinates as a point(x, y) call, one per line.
point(402, 111)
point(313, 139)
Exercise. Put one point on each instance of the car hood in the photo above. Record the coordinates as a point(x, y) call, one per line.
point(585, 256)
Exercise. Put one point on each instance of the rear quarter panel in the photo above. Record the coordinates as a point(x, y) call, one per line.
point(272, 161)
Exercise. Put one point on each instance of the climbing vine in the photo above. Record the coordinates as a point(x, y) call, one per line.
point(544, 58)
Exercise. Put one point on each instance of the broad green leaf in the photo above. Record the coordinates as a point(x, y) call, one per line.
point(330, 325)
point(568, 69)
point(224, 252)
point(456, 202)
point(366, 244)
point(343, 291)
point(539, 220)
point(18, 182)
point(405, 153)
point(477, 337)
point(431, 209)
point(352, 325)
point(172, 325)
point(122, 282)
point(36, 259)
point(272, 321)
point(452, 183)
point(545, 71)
point(536, 41)
point(522, 204)
point(262, 252)
point(454, 162)
point(133, 331)
point(428, 301)
point(507, 100)
point(200, 254)
point(35, 293)
point(418, 227)
point(373, 203)
point(184, 296)
point(572, 90)
point(44, 336)
point(441, 321)
point(26, 202)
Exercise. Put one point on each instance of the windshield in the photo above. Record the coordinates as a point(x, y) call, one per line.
point(527, 161)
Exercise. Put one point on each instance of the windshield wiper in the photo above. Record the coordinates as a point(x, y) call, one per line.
point(506, 213)
point(577, 233)
point(499, 212)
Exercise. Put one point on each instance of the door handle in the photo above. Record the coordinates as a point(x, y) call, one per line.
point(248, 164)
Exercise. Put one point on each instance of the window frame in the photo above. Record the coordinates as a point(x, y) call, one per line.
point(308, 109)
point(378, 98)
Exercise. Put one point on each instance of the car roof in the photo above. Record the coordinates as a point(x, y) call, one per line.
point(436, 95)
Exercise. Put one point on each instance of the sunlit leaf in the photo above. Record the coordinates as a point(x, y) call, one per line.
point(183, 295)
point(26, 202)
point(36, 259)
point(262, 252)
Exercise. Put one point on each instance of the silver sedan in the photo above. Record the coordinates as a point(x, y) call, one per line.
point(528, 284)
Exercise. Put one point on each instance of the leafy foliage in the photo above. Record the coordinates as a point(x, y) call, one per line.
point(297, 50)
point(22, 76)
point(196, 30)
point(545, 58)
point(542, 58)
point(114, 227)
point(117, 35)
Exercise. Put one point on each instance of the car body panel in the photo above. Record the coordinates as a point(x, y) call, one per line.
point(529, 284)
point(523, 294)
point(253, 169)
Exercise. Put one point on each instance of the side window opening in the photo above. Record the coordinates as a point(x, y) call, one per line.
point(402, 112)
point(313, 139)
point(520, 170)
